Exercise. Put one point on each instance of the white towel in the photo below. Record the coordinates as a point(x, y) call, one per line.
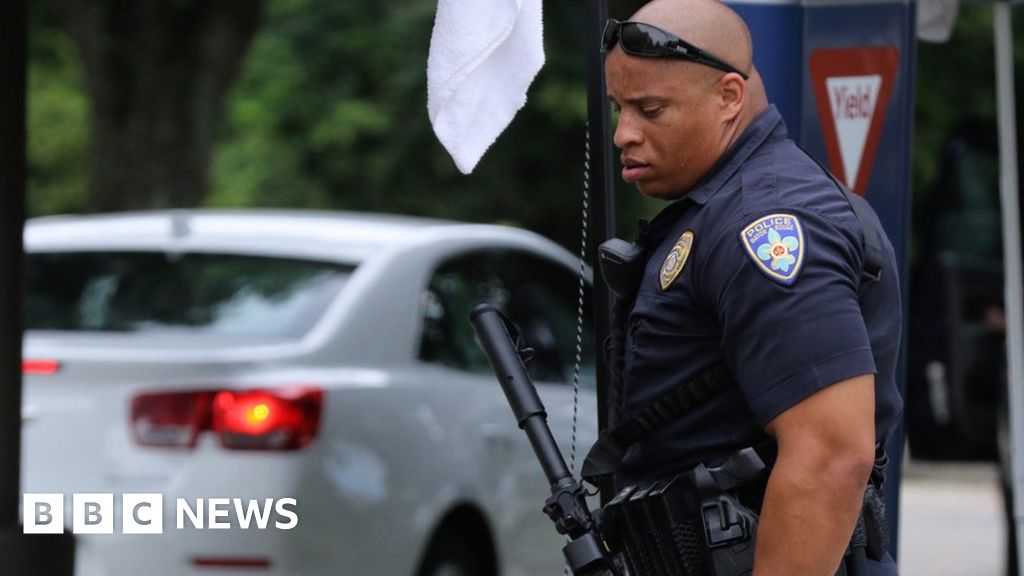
point(483, 56)
point(936, 19)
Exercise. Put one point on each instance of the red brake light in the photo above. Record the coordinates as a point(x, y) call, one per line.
point(285, 419)
point(280, 419)
point(39, 367)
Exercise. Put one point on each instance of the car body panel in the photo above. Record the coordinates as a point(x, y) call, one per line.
point(401, 443)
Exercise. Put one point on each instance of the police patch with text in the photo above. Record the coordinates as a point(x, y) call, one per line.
point(776, 245)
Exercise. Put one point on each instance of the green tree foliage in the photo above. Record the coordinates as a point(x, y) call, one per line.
point(57, 125)
point(956, 83)
point(955, 92)
point(158, 72)
point(329, 111)
point(155, 73)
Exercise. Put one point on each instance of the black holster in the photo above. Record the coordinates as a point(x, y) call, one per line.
point(704, 522)
point(873, 516)
point(693, 524)
point(870, 536)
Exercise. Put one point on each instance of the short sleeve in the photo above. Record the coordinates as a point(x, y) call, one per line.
point(785, 288)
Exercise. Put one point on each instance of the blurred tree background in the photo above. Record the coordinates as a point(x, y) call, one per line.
point(156, 72)
point(328, 110)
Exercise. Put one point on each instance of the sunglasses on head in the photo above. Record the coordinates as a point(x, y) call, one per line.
point(640, 39)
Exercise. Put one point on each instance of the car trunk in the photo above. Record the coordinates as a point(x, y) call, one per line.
point(76, 424)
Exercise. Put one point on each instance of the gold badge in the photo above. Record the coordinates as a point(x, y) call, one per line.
point(676, 259)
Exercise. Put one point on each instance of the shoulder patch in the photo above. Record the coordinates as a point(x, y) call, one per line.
point(676, 259)
point(776, 245)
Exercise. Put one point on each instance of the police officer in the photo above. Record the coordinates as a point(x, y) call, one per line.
point(755, 263)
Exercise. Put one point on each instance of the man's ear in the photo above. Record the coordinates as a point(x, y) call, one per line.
point(732, 92)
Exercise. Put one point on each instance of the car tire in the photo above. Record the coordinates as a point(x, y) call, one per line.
point(450, 555)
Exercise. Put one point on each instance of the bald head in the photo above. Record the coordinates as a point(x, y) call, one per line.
point(717, 29)
point(708, 24)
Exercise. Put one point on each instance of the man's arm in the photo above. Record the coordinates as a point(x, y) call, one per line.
point(826, 452)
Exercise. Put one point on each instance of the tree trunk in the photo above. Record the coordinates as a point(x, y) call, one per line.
point(157, 72)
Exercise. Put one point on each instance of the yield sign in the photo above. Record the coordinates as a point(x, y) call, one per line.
point(852, 86)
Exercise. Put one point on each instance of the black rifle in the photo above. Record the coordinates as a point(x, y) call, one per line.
point(586, 553)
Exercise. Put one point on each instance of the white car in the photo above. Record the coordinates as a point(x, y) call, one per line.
point(323, 357)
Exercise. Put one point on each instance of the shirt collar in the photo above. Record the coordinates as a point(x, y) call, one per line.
point(767, 123)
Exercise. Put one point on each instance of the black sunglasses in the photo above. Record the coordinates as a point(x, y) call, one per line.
point(640, 39)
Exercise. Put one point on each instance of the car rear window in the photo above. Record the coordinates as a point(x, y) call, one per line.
point(224, 294)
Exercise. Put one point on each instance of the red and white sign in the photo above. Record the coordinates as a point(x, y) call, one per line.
point(852, 87)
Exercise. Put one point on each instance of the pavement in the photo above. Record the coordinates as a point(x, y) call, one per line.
point(951, 520)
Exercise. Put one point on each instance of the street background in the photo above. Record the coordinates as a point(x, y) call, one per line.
point(951, 520)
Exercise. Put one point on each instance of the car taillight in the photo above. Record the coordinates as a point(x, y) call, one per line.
point(279, 419)
point(39, 367)
point(170, 419)
point(285, 419)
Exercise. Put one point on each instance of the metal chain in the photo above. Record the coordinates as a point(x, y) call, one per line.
point(582, 292)
point(579, 306)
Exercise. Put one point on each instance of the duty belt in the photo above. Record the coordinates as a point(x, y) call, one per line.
point(699, 524)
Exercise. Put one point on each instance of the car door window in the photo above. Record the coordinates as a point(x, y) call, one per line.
point(538, 295)
point(454, 289)
point(545, 302)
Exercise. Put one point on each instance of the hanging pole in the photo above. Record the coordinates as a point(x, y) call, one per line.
point(12, 188)
point(37, 554)
point(1014, 288)
point(603, 192)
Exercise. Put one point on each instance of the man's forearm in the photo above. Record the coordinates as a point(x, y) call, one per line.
point(808, 516)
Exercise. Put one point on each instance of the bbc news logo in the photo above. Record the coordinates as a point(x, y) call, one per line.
point(144, 513)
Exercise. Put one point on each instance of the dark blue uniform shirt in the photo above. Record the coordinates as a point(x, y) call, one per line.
point(758, 268)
